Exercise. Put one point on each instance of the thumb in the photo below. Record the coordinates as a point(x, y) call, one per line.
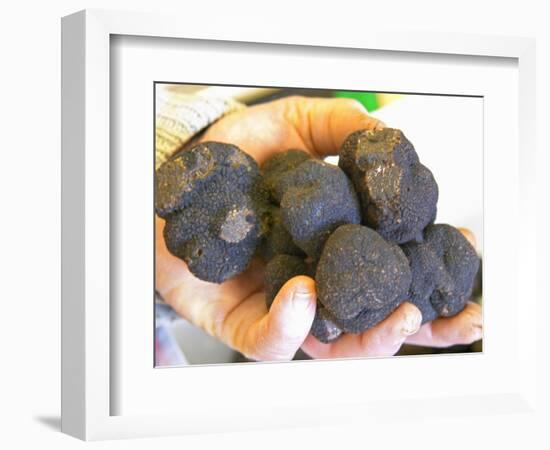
point(283, 330)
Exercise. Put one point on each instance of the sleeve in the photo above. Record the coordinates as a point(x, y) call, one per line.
point(181, 115)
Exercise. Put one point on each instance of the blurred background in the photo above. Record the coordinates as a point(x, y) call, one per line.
point(447, 133)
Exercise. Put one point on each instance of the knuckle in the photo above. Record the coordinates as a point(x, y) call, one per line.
point(294, 105)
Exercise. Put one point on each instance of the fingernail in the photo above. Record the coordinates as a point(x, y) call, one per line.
point(477, 333)
point(411, 324)
point(301, 299)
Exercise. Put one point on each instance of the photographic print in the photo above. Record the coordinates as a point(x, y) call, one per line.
point(289, 213)
point(299, 224)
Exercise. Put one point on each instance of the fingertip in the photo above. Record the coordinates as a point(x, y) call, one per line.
point(380, 125)
point(293, 309)
point(473, 308)
point(387, 337)
point(471, 314)
point(464, 328)
point(372, 123)
point(469, 235)
point(298, 292)
point(469, 331)
point(315, 348)
point(475, 321)
point(473, 334)
point(330, 121)
point(301, 283)
point(359, 115)
point(410, 318)
point(355, 120)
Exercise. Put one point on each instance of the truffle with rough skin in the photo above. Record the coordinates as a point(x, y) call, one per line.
point(214, 204)
point(323, 327)
point(306, 217)
point(398, 194)
point(366, 319)
point(361, 278)
point(282, 268)
point(280, 163)
point(443, 267)
point(278, 271)
point(316, 198)
point(278, 241)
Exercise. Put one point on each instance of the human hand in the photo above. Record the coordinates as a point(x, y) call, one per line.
point(403, 326)
point(235, 311)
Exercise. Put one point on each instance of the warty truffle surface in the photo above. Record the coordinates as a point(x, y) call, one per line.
point(324, 328)
point(443, 269)
point(278, 271)
point(359, 272)
point(316, 198)
point(398, 194)
point(279, 164)
point(214, 204)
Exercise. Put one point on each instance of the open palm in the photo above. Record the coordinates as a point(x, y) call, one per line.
point(235, 311)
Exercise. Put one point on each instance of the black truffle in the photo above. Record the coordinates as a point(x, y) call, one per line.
point(214, 204)
point(323, 327)
point(278, 271)
point(366, 319)
point(280, 163)
point(303, 215)
point(316, 198)
point(443, 267)
point(398, 194)
point(278, 241)
point(282, 268)
point(360, 277)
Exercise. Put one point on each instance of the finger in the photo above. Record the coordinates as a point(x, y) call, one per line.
point(384, 339)
point(464, 328)
point(323, 124)
point(469, 235)
point(280, 333)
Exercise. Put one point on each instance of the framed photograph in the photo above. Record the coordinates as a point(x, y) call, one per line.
point(249, 216)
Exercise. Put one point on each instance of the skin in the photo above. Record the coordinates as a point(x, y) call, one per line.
point(235, 311)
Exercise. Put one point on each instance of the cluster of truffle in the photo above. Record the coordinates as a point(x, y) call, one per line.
point(363, 229)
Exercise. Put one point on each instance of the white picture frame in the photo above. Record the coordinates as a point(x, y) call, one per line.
point(88, 328)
